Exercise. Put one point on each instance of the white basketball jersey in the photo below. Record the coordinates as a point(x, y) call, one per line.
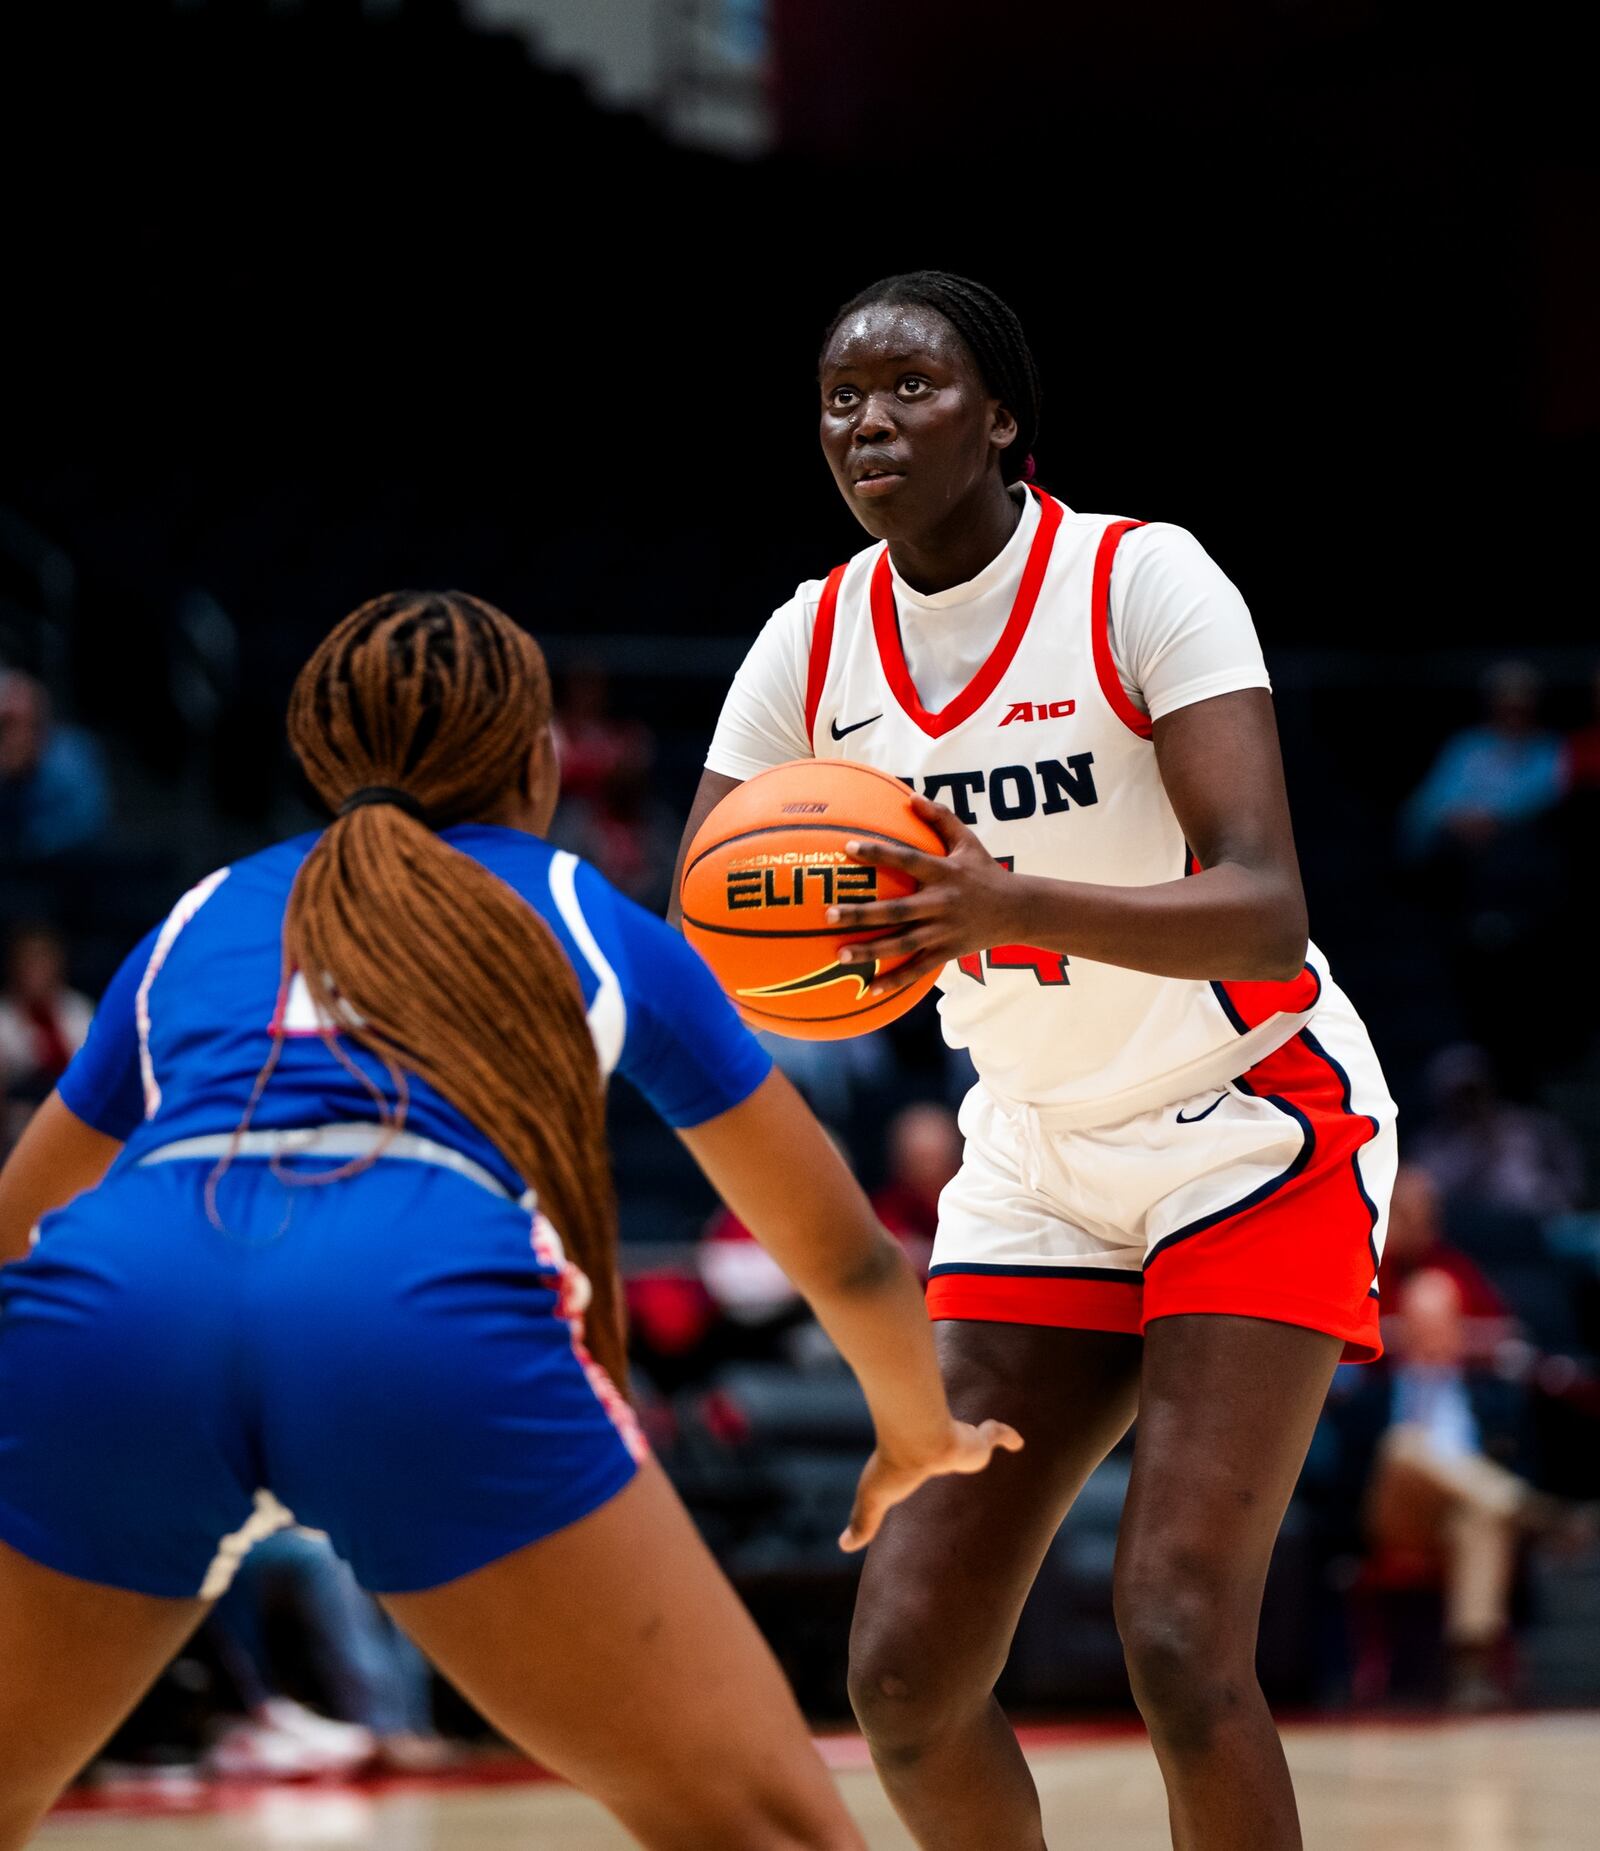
point(1048, 760)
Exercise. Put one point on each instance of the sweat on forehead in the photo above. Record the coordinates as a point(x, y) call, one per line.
point(895, 331)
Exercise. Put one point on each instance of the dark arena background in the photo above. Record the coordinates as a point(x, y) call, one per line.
point(308, 299)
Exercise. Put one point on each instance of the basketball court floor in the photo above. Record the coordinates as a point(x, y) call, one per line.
point(1501, 1784)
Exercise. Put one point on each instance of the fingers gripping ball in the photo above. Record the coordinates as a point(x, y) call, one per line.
point(760, 875)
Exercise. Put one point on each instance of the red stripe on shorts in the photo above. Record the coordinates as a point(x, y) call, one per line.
point(1300, 1253)
point(1067, 1302)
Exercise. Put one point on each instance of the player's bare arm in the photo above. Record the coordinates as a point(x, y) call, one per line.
point(771, 1163)
point(1241, 918)
point(57, 1157)
point(713, 787)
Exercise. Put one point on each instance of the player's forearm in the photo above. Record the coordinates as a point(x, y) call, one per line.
point(1228, 923)
point(772, 1164)
point(879, 1324)
point(712, 789)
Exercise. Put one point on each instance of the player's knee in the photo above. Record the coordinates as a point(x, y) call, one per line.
point(898, 1716)
point(1187, 1663)
point(903, 1692)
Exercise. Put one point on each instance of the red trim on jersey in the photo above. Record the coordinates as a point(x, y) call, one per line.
point(821, 650)
point(1248, 1004)
point(1113, 1304)
point(891, 652)
point(1100, 629)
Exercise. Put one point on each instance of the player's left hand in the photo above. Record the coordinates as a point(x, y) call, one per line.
point(888, 1481)
point(964, 902)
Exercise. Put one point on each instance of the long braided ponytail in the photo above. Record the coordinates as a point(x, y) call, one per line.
point(418, 953)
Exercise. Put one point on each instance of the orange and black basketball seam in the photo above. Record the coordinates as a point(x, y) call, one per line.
point(782, 1022)
point(798, 827)
point(833, 931)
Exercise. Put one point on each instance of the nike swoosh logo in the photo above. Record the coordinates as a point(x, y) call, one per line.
point(1205, 1114)
point(839, 731)
point(819, 980)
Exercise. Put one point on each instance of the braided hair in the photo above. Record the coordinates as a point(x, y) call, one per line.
point(417, 953)
point(992, 334)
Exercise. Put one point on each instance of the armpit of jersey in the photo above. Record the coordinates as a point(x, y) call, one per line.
point(763, 719)
point(1180, 630)
point(687, 1051)
point(103, 1085)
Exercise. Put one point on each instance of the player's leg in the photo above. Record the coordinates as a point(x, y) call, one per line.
point(946, 1579)
point(1226, 1412)
point(426, 1407)
point(124, 1469)
point(77, 1657)
point(614, 1652)
point(1263, 1248)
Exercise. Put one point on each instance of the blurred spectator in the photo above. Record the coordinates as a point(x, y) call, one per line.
point(1490, 777)
point(627, 832)
point(1449, 1486)
point(54, 792)
point(1579, 823)
point(372, 1674)
point(1483, 837)
point(1581, 753)
point(595, 746)
point(1478, 1146)
point(761, 1313)
point(924, 1154)
point(749, 1288)
point(1416, 1243)
point(747, 1285)
point(284, 1740)
point(671, 1316)
point(833, 1075)
point(611, 813)
point(43, 1022)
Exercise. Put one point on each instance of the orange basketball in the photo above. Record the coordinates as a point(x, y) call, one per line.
point(760, 876)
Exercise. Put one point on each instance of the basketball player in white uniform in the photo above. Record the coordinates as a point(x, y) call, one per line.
point(1180, 1146)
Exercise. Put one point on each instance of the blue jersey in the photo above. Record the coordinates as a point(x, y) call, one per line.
point(189, 1020)
point(398, 1360)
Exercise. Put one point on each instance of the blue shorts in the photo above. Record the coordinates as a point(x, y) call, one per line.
point(382, 1355)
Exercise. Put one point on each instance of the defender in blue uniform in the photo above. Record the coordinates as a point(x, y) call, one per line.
point(298, 1239)
point(339, 1348)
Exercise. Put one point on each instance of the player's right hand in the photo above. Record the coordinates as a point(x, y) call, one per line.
point(887, 1480)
